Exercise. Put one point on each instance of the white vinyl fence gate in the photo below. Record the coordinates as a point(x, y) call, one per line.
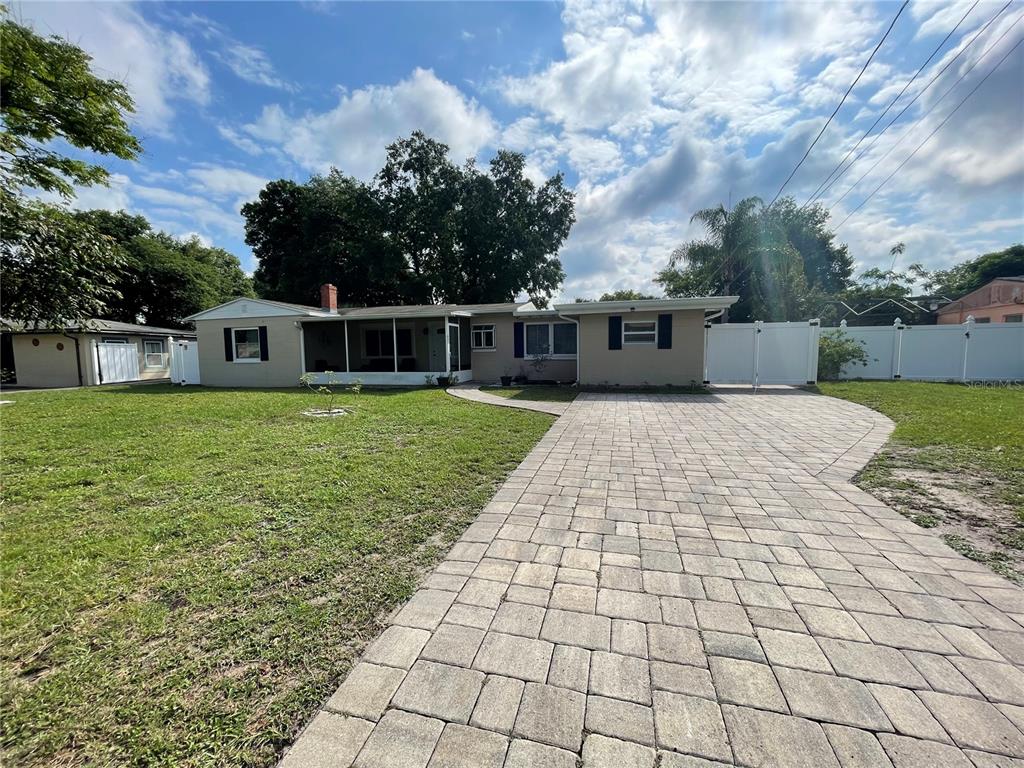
point(761, 353)
point(117, 362)
point(185, 362)
point(966, 352)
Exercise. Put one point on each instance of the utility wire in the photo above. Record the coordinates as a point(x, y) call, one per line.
point(841, 102)
point(930, 135)
point(931, 109)
point(911, 103)
point(814, 195)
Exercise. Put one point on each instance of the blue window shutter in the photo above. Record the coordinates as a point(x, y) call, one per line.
point(664, 331)
point(518, 345)
point(229, 352)
point(615, 332)
point(264, 351)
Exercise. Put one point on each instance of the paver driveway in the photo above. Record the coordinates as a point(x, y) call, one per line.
point(691, 579)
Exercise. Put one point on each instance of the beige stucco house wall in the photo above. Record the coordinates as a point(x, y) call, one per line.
point(301, 338)
point(643, 364)
point(490, 365)
point(50, 363)
point(281, 369)
point(47, 359)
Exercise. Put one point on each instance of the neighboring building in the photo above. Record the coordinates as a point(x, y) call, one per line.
point(1000, 301)
point(96, 352)
point(260, 343)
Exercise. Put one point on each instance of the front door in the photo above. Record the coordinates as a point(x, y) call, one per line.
point(437, 350)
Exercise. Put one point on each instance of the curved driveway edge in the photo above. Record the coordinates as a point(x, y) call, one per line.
point(666, 578)
point(477, 395)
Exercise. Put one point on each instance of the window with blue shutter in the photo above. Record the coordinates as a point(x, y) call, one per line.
point(664, 331)
point(614, 332)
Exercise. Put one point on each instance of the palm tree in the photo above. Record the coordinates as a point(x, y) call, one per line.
point(717, 263)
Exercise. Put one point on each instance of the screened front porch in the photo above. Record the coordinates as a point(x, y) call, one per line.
point(405, 351)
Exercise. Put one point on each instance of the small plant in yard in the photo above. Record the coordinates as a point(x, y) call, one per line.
point(836, 350)
point(308, 380)
point(539, 362)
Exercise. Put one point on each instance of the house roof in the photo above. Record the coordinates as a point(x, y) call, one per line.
point(243, 307)
point(98, 325)
point(646, 305)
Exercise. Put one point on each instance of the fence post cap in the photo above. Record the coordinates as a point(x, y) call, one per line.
point(842, 323)
point(897, 322)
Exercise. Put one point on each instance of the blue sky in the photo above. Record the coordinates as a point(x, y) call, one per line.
point(651, 111)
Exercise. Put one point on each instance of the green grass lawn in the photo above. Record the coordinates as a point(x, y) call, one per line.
point(953, 446)
point(188, 574)
point(539, 393)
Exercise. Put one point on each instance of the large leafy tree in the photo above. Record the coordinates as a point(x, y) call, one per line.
point(61, 267)
point(328, 230)
point(425, 231)
point(974, 273)
point(163, 280)
point(779, 260)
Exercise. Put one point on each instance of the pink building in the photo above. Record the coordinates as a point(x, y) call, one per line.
point(1001, 301)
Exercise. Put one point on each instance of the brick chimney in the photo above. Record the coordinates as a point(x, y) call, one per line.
point(328, 298)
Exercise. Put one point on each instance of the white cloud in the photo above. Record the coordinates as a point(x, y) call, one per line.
point(353, 135)
point(220, 182)
point(253, 65)
point(157, 64)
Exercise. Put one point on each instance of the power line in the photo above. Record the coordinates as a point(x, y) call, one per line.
point(931, 109)
point(814, 195)
point(930, 135)
point(911, 103)
point(842, 101)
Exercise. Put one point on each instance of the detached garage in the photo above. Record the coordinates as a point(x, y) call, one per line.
point(97, 352)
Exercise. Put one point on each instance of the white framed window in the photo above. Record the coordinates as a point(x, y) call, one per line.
point(154, 353)
point(983, 319)
point(115, 340)
point(482, 337)
point(246, 344)
point(640, 332)
point(553, 339)
point(1013, 318)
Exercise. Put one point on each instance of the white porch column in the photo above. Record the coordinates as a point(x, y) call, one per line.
point(394, 341)
point(302, 349)
point(346, 347)
point(170, 356)
point(447, 350)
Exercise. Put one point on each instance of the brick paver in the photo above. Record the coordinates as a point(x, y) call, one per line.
point(691, 581)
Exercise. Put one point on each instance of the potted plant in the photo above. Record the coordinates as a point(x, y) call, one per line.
point(506, 378)
point(443, 381)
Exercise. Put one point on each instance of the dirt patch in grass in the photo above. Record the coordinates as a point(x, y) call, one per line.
point(970, 508)
point(955, 463)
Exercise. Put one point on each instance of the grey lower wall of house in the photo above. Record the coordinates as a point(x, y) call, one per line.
point(282, 369)
point(643, 365)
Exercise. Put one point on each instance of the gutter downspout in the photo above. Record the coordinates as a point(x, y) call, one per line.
point(577, 324)
point(78, 357)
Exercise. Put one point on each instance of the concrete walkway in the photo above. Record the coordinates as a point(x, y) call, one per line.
point(477, 395)
point(691, 581)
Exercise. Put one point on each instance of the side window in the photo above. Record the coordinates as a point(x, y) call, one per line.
point(483, 337)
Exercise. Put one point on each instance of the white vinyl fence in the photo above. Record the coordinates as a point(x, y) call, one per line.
point(185, 362)
point(117, 362)
point(966, 352)
point(761, 353)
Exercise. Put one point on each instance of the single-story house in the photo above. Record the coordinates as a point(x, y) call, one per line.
point(260, 343)
point(998, 301)
point(93, 352)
